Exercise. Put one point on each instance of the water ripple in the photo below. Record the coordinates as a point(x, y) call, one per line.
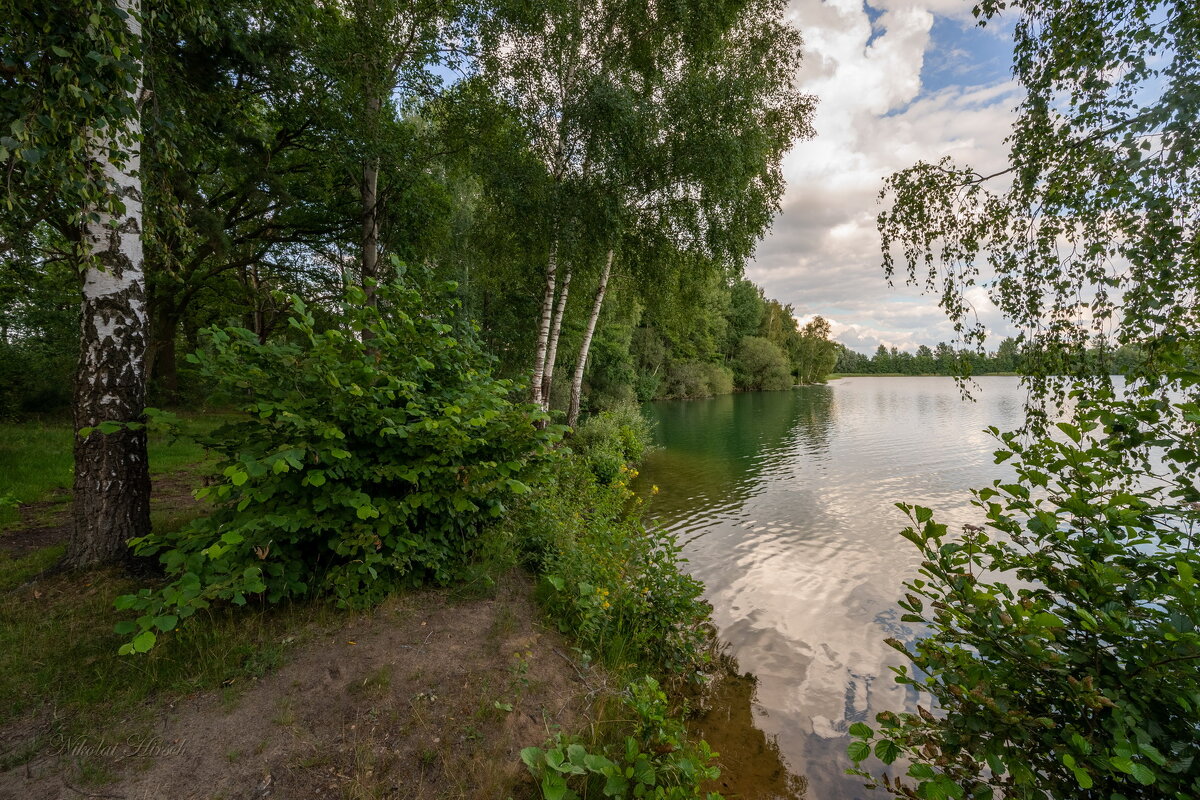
point(785, 504)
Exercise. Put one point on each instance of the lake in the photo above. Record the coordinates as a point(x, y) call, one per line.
point(784, 502)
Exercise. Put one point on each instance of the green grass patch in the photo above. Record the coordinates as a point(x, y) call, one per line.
point(36, 459)
point(58, 649)
point(35, 463)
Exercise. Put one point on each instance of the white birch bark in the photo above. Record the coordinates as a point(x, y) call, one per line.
point(555, 329)
point(581, 364)
point(112, 480)
point(539, 356)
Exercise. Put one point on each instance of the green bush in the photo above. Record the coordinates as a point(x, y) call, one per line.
point(620, 590)
point(612, 440)
point(656, 760)
point(692, 379)
point(761, 365)
point(34, 378)
point(719, 379)
point(1082, 680)
point(607, 579)
point(370, 456)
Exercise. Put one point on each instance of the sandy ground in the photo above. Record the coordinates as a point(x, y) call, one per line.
point(410, 701)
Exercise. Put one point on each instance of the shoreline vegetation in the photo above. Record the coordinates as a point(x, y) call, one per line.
point(569, 633)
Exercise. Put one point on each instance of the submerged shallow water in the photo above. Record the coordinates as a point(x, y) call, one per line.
point(785, 504)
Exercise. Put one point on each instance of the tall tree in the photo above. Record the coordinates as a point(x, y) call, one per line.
point(696, 164)
point(239, 168)
point(816, 354)
point(71, 98)
point(112, 478)
point(380, 55)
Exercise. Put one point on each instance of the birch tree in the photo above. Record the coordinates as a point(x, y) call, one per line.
point(704, 176)
point(623, 103)
point(70, 107)
point(379, 55)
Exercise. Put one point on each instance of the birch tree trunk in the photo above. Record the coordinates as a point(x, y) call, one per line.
point(539, 356)
point(581, 364)
point(555, 329)
point(112, 479)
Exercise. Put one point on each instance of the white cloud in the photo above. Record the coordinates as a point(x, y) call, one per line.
point(874, 118)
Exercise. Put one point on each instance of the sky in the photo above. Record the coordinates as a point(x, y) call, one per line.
point(897, 81)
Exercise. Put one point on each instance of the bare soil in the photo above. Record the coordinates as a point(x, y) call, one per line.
point(428, 696)
point(425, 697)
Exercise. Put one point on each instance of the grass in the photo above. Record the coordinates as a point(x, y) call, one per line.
point(58, 649)
point(36, 459)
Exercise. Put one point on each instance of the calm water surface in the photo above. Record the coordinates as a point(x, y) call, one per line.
point(785, 503)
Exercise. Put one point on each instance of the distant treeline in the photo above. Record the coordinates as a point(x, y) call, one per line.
point(1009, 357)
point(719, 339)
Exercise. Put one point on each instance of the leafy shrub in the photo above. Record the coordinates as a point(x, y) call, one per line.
point(655, 761)
point(719, 379)
point(1082, 682)
point(691, 379)
point(370, 455)
point(607, 579)
point(761, 365)
point(613, 439)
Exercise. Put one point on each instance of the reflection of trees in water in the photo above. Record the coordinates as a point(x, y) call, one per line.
point(814, 420)
point(719, 449)
point(751, 765)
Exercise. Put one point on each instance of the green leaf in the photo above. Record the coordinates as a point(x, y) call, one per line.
point(858, 750)
point(860, 730)
point(532, 756)
point(1121, 763)
point(144, 641)
point(887, 751)
point(1143, 774)
point(554, 786)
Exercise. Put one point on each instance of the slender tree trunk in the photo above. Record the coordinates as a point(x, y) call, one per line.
point(112, 480)
point(555, 329)
point(581, 364)
point(543, 341)
point(161, 366)
point(370, 229)
point(369, 194)
point(164, 312)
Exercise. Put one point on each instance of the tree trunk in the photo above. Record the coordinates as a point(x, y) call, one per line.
point(581, 364)
point(539, 356)
point(112, 479)
point(555, 329)
point(370, 229)
point(164, 312)
point(161, 366)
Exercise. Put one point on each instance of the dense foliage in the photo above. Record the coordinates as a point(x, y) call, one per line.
point(614, 583)
point(1080, 681)
point(1062, 634)
point(362, 464)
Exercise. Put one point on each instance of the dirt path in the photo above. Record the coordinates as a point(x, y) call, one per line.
point(410, 701)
